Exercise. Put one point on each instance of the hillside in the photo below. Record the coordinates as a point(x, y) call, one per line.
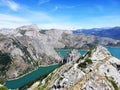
point(97, 70)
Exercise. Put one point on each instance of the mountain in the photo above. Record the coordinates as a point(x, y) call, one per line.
point(27, 47)
point(96, 70)
point(84, 41)
point(113, 32)
point(24, 49)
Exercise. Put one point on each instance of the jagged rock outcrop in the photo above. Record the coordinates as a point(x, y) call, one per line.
point(97, 70)
point(71, 56)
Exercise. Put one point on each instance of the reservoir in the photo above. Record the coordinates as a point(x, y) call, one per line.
point(115, 51)
point(40, 72)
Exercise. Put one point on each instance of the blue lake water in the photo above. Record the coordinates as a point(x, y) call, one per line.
point(40, 72)
point(63, 52)
point(115, 51)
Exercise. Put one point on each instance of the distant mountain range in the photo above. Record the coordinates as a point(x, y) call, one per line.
point(113, 32)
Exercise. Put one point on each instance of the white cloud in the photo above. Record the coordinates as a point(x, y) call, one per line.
point(64, 7)
point(43, 1)
point(39, 16)
point(11, 4)
point(5, 17)
point(63, 26)
point(101, 21)
point(10, 21)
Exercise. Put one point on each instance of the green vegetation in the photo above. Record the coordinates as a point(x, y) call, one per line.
point(79, 59)
point(85, 63)
point(49, 77)
point(43, 87)
point(89, 53)
point(3, 88)
point(89, 61)
point(43, 31)
point(82, 65)
point(22, 32)
point(2, 37)
point(5, 58)
point(113, 83)
point(60, 78)
point(92, 45)
point(2, 80)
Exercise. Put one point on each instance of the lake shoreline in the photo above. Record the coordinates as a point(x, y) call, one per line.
point(31, 71)
point(45, 70)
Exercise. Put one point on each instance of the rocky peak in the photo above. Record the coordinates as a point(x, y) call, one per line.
point(73, 55)
point(28, 27)
point(99, 53)
point(29, 30)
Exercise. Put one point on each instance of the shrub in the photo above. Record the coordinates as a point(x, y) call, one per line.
point(113, 83)
point(89, 61)
point(3, 88)
point(22, 32)
point(84, 64)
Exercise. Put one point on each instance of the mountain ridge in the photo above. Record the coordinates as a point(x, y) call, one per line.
point(93, 76)
point(111, 32)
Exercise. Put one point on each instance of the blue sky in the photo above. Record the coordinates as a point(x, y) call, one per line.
point(62, 14)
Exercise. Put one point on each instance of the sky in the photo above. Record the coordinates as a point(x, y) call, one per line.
point(60, 14)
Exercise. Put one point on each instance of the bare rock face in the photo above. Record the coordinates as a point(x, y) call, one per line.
point(27, 49)
point(100, 53)
point(29, 27)
point(85, 41)
point(97, 70)
point(54, 77)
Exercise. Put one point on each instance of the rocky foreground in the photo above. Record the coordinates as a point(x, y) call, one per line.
point(27, 47)
point(97, 70)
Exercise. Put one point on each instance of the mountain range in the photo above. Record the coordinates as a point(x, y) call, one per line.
point(113, 32)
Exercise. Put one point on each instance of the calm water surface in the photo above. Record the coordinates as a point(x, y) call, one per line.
point(115, 51)
point(40, 72)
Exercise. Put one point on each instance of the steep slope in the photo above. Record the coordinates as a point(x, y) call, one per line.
point(23, 50)
point(98, 70)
